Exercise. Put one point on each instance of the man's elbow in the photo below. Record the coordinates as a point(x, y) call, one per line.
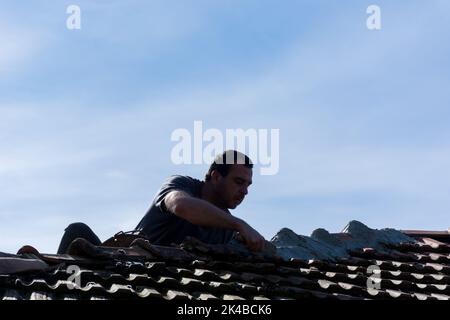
point(179, 208)
point(178, 205)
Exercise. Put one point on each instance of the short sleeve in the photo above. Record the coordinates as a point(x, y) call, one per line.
point(174, 183)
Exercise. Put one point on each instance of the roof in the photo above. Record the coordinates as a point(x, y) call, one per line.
point(338, 266)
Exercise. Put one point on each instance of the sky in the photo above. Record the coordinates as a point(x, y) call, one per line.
point(86, 115)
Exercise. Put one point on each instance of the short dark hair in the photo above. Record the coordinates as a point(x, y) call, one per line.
point(223, 162)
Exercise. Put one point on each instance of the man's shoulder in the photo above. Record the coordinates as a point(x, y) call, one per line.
point(176, 178)
point(185, 183)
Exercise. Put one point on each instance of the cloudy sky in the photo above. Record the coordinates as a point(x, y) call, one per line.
point(86, 115)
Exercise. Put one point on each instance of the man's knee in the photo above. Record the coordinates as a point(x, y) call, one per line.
point(77, 227)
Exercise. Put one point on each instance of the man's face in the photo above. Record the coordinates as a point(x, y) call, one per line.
point(234, 187)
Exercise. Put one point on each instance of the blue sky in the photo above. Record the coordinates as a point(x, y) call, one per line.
point(86, 115)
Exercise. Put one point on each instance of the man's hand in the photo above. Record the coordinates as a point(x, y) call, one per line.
point(252, 239)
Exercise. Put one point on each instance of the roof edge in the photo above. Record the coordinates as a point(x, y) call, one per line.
point(443, 236)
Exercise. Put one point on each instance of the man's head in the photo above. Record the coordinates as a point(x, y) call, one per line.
point(230, 175)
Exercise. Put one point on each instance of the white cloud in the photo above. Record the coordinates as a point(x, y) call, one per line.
point(117, 175)
point(19, 46)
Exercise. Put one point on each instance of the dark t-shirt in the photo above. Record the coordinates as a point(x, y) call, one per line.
point(164, 228)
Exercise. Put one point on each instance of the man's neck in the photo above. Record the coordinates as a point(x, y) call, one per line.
point(208, 194)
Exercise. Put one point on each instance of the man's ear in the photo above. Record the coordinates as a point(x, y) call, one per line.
point(215, 176)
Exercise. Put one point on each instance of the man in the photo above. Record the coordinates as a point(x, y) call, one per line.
point(185, 206)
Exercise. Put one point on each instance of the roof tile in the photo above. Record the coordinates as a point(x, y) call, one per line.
point(414, 270)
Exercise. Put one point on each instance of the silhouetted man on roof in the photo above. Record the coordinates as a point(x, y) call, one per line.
point(185, 206)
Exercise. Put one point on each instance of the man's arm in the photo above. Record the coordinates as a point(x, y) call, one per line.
point(203, 213)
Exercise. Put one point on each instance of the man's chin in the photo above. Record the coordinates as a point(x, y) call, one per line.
point(233, 205)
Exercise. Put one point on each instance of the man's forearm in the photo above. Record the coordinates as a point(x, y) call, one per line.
point(200, 212)
point(203, 213)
